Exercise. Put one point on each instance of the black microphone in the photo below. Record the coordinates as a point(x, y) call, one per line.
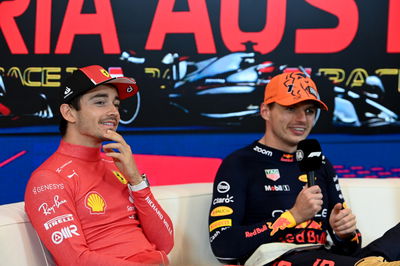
point(309, 156)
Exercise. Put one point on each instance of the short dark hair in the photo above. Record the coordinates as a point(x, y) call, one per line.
point(74, 103)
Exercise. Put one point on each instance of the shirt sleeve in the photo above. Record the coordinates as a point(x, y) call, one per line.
point(343, 246)
point(50, 206)
point(231, 238)
point(155, 222)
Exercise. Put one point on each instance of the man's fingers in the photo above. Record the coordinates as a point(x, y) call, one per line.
point(338, 206)
point(113, 146)
point(113, 135)
point(114, 155)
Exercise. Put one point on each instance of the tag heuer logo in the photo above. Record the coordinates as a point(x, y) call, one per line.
point(272, 174)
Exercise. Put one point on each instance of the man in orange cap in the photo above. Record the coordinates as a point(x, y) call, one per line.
point(90, 207)
point(261, 200)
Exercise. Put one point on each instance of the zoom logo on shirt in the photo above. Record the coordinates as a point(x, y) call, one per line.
point(262, 151)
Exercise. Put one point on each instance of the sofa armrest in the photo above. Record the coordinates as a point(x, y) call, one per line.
point(19, 243)
point(375, 204)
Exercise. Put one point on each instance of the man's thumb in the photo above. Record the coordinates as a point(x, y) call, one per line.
point(337, 207)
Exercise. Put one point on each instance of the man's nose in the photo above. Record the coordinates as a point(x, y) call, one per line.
point(301, 115)
point(114, 110)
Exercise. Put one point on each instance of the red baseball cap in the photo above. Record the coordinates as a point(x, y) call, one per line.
point(291, 88)
point(89, 77)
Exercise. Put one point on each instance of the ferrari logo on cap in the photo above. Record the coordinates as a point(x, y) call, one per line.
point(105, 73)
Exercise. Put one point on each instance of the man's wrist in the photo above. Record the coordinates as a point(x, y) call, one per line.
point(139, 186)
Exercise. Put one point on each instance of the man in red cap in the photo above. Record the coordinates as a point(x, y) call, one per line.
point(261, 200)
point(90, 207)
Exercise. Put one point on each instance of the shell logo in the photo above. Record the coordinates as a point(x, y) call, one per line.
point(221, 211)
point(95, 203)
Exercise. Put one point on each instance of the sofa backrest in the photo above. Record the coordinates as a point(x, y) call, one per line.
point(374, 201)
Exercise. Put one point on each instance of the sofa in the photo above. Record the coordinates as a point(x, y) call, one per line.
point(374, 201)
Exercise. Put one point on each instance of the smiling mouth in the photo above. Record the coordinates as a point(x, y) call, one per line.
point(109, 123)
point(298, 130)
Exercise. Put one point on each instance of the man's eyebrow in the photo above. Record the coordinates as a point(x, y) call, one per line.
point(102, 95)
point(99, 95)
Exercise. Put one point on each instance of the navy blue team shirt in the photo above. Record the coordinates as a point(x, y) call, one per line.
point(253, 187)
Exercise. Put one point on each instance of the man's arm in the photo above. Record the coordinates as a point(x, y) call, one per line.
point(155, 222)
point(342, 222)
point(53, 215)
point(231, 237)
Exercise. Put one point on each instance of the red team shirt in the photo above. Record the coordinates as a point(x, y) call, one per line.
point(84, 213)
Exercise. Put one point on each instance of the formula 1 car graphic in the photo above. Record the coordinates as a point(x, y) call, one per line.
point(22, 105)
point(229, 89)
point(363, 107)
point(221, 90)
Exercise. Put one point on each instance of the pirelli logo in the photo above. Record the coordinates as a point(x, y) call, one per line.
point(220, 223)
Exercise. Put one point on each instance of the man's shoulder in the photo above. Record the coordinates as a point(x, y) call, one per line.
point(54, 165)
point(242, 154)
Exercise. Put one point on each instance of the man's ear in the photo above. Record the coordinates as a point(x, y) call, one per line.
point(265, 111)
point(67, 112)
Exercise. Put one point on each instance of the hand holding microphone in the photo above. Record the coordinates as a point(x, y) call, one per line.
point(309, 156)
point(309, 201)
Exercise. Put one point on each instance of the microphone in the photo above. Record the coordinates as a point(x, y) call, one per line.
point(309, 156)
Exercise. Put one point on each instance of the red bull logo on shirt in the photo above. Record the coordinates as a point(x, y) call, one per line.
point(280, 224)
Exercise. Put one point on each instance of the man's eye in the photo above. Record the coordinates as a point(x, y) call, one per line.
point(100, 102)
point(117, 105)
point(310, 111)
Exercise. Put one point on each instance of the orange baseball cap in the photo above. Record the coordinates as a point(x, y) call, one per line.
point(291, 88)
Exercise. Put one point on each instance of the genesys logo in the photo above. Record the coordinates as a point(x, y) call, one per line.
point(221, 211)
point(58, 220)
point(67, 232)
point(47, 187)
point(223, 187)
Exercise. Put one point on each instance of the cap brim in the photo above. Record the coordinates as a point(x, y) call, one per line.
point(127, 87)
point(319, 102)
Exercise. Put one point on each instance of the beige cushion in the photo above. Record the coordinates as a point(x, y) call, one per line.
point(374, 201)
